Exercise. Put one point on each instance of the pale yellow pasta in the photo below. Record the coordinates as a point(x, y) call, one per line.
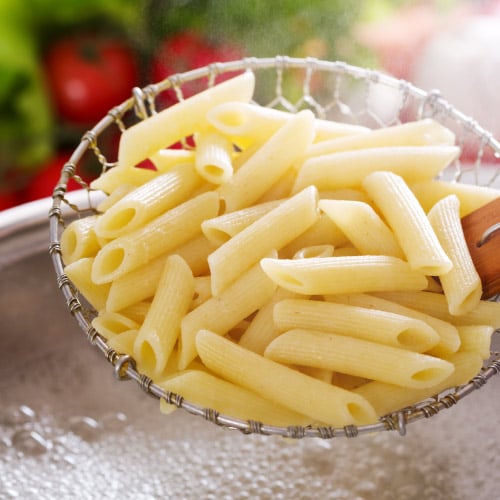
point(417, 133)
point(79, 240)
point(274, 230)
point(318, 373)
point(269, 163)
point(349, 274)
point(162, 325)
point(180, 120)
point(202, 291)
point(171, 229)
point(471, 196)
point(220, 229)
point(347, 169)
point(213, 156)
point(124, 342)
point(476, 338)
point(209, 391)
point(79, 274)
point(449, 339)
point(358, 357)
point(386, 398)
point(136, 312)
point(362, 226)
point(344, 194)
point(148, 201)
point(115, 177)
point(282, 188)
point(168, 158)
point(318, 400)
point(221, 313)
point(409, 223)
point(346, 381)
point(369, 324)
point(314, 251)
point(461, 284)
point(262, 329)
point(435, 304)
point(116, 195)
point(109, 324)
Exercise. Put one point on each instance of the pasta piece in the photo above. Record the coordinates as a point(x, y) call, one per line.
point(423, 132)
point(471, 196)
point(243, 297)
point(318, 373)
point(79, 274)
point(115, 196)
point(347, 169)
point(300, 393)
point(169, 230)
point(349, 274)
point(180, 120)
point(362, 226)
point(115, 177)
point(282, 188)
point(148, 202)
point(209, 391)
point(109, 324)
point(124, 342)
point(387, 398)
point(346, 381)
point(408, 221)
point(161, 327)
point(344, 194)
point(369, 324)
point(449, 339)
point(476, 338)
point(435, 304)
point(166, 159)
point(314, 251)
point(358, 357)
point(272, 231)
point(79, 240)
point(202, 291)
point(213, 157)
point(462, 284)
point(137, 312)
point(269, 163)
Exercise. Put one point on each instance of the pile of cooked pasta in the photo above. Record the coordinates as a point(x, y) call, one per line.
point(285, 269)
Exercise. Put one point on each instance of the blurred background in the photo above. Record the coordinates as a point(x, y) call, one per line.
point(64, 64)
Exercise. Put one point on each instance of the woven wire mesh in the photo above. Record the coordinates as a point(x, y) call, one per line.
point(332, 90)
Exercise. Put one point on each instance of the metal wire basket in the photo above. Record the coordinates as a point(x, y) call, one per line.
point(332, 90)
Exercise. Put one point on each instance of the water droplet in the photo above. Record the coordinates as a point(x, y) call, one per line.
point(17, 415)
point(30, 442)
point(113, 422)
point(85, 427)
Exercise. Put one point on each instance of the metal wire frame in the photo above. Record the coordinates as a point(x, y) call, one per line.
point(143, 103)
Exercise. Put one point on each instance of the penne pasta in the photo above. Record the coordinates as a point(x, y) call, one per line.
point(314, 251)
point(116, 195)
point(115, 177)
point(461, 284)
point(345, 274)
point(318, 400)
point(476, 338)
point(407, 219)
point(136, 312)
point(274, 230)
point(79, 240)
point(180, 120)
point(213, 156)
point(124, 342)
point(369, 324)
point(109, 324)
point(166, 159)
point(357, 357)
point(202, 291)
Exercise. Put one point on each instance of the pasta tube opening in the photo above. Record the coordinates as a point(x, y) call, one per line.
point(109, 261)
point(120, 220)
point(429, 374)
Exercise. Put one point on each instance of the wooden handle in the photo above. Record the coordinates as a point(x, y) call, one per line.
point(482, 233)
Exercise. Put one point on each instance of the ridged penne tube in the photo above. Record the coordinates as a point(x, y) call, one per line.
point(476, 338)
point(202, 291)
point(318, 400)
point(171, 229)
point(274, 230)
point(409, 223)
point(349, 274)
point(115, 177)
point(115, 196)
point(314, 251)
point(347, 169)
point(423, 132)
point(136, 312)
point(461, 284)
point(79, 239)
point(124, 342)
point(79, 274)
point(449, 339)
point(166, 159)
point(386, 398)
point(362, 226)
point(369, 324)
point(180, 120)
point(435, 304)
point(358, 357)
point(109, 324)
point(254, 123)
point(471, 196)
point(222, 228)
point(213, 156)
point(162, 325)
point(148, 201)
point(209, 391)
point(221, 313)
point(262, 329)
point(269, 163)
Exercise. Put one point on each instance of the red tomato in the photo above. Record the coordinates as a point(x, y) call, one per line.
point(87, 76)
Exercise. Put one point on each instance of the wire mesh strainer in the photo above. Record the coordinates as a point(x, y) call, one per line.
point(332, 90)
